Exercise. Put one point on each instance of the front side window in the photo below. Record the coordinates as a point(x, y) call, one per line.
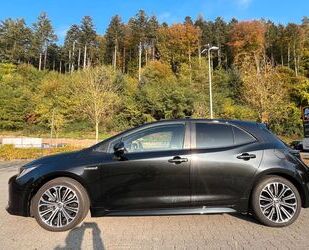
point(161, 138)
point(212, 135)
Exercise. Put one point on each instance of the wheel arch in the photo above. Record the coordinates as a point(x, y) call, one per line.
point(41, 181)
point(290, 176)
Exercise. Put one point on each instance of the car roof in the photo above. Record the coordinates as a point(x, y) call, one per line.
point(238, 122)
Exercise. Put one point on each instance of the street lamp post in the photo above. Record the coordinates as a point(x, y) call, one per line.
point(210, 80)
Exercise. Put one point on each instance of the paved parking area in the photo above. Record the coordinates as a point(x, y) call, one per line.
point(152, 232)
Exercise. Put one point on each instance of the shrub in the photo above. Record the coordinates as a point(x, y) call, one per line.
point(9, 152)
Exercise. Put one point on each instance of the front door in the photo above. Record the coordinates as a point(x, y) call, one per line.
point(153, 173)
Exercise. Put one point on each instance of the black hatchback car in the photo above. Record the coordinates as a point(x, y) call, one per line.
point(187, 166)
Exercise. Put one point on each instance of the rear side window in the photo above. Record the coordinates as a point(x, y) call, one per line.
point(242, 137)
point(210, 135)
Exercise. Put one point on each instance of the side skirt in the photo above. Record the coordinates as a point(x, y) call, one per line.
point(173, 211)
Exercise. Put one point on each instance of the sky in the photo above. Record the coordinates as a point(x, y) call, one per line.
point(64, 13)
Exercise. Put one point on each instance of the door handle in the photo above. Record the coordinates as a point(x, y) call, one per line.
point(246, 156)
point(177, 160)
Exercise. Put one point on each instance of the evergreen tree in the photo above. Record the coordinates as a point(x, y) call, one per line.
point(43, 36)
point(88, 39)
point(220, 30)
point(114, 41)
point(15, 41)
point(152, 36)
point(72, 47)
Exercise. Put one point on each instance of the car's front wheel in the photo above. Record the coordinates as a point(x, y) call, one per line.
point(276, 201)
point(60, 204)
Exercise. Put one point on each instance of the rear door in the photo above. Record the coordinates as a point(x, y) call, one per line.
point(224, 160)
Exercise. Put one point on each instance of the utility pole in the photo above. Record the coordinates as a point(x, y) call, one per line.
point(210, 85)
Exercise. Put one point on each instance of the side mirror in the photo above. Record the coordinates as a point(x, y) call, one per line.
point(119, 149)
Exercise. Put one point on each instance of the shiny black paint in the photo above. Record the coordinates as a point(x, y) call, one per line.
point(145, 180)
point(138, 183)
point(219, 177)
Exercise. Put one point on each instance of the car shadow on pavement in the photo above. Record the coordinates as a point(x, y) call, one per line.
point(246, 217)
point(75, 237)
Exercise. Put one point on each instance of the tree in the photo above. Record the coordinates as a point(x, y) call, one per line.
point(43, 36)
point(96, 94)
point(160, 96)
point(88, 39)
point(152, 35)
point(264, 90)
point(215, 33)
point(53, 104)
point(15, 41)
point(248, 39)
point(272, 41)
point(304, 63)
point(295, 41)
point(172, 73)
point(300, 92)
point(138, 26)
point(18, 85)
point(220, 29)
point(206, 27)
point(72, 43)
point(114, 38)
point(177, 43)
point(13, 106)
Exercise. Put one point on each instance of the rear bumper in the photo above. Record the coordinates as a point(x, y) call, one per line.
point(17, 201)
point(306, 196)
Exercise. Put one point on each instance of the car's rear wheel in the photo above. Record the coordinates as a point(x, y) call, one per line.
point(276, 202)
point(60, 204)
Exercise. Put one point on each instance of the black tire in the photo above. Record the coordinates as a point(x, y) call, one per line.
point(82, 201)
point(257, 210)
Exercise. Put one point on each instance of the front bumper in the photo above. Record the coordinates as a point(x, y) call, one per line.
point(17, 201)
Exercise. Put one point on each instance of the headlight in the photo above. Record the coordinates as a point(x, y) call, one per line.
point(23, 171)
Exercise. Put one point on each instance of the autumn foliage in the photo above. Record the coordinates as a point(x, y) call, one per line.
point(143, 70)
point(178, 42)
point(248, 38)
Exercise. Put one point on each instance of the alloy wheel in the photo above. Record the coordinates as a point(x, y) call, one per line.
point(278, 202)
point(58, 206)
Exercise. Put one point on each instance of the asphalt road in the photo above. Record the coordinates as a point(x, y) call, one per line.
point(153, 232)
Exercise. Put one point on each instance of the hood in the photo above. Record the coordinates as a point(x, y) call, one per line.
point(51, 159)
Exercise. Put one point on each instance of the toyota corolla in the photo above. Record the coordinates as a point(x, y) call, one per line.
point(187, 166)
